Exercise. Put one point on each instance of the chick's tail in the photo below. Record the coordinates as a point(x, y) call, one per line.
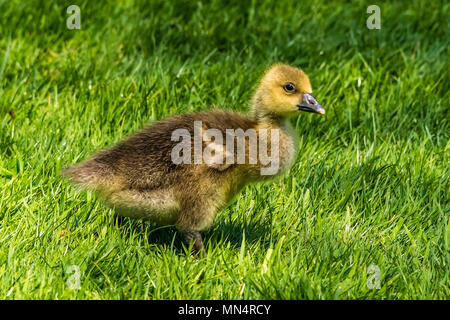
point(88, 175)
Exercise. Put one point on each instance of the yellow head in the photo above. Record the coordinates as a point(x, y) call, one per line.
point(282, 92)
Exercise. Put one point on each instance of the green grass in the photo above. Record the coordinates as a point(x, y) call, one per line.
point(370, 185)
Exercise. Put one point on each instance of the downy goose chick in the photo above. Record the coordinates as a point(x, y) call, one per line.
point(182, 170)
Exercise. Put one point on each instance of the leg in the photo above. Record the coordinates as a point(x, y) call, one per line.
point(196, 238)
point(197, 213)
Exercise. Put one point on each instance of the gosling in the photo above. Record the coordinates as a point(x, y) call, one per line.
point(156, 175)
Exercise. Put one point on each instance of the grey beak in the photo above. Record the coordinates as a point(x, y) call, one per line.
point(310, 104)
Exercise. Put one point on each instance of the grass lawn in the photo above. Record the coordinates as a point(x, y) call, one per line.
point(366, 200)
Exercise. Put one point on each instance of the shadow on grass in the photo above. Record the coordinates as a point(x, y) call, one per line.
point(221, 234)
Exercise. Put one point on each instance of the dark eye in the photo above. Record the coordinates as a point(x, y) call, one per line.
point(289, 87)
